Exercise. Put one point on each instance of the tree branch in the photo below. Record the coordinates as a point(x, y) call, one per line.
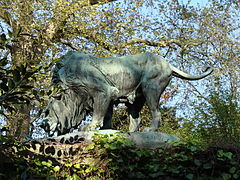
point(93, 38)
point(70, 45)
point(198, 92)
point(93, 2)
point(162, 43)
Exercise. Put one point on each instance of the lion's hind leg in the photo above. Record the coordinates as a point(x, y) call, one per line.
point(152, 92)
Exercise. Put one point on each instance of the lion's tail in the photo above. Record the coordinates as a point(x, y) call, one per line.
point(183, 75)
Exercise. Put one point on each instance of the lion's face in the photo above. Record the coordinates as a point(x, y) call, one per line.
point(54, 111)
point(64, 112)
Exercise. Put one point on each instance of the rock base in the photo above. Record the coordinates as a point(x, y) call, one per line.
point(149, 140)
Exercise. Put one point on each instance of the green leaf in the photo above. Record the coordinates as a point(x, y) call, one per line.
point(38, 163)
point(42, 92)
point(197, 162)
point(35, 92)
point(50, 178)
point(232, 170)
point(9, 107)
point(48, 163)
point(77, 166)
point(10, 33)
point(22, 69)
point(26, 87)
point(28, 75)
point(56, 168)
point(16, 75)
point(229, 155)
point(8, 46)
point(226, 176)
point(75, 177)
point(3, 37)
point(11, 84)
point(190, 176)
point(49, 92)
point(90, 146)
point(44, 163)
point(19, 30)
point(17, 93)
point(88, 170)
point(68, 164)
point(3, 85)
point(3, 61)
point(221, 153)
point(193, 148)
point(236, 176)
point(110, 146)
point(207, 166)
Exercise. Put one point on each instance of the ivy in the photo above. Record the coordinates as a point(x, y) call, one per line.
point(115, 157)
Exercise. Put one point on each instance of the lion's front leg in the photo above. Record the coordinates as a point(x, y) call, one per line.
point(101, 107)
point(107, 122)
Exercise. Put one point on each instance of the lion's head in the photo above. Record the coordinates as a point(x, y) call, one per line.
point(65, 111)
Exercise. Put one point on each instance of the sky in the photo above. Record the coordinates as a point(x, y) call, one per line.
point(196, 2)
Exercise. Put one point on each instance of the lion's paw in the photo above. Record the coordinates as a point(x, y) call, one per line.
point(149, 129)
point(114, 92)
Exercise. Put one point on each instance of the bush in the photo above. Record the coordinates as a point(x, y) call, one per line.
point(114, 157)
point(218, 121)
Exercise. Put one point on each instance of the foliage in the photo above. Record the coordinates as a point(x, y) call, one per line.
point(219, 119)
point(117, 158)
point(15, 86)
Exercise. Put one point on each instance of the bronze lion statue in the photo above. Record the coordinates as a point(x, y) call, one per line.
point(95, 84)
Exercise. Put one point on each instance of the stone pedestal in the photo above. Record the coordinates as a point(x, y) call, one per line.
point(73, 147)
point(149, 140)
